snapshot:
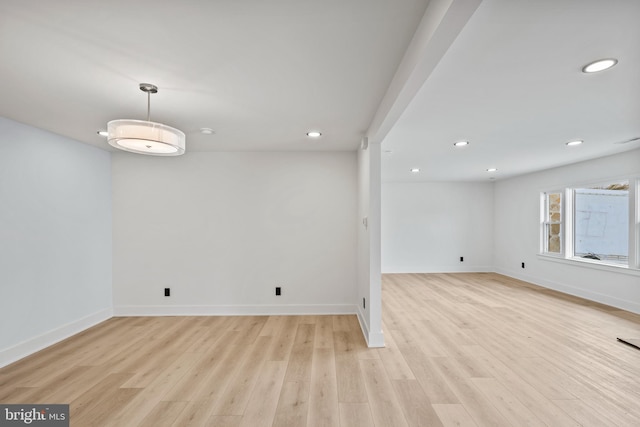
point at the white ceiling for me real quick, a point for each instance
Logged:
(504, 74)
(261, 73)
(511, 84)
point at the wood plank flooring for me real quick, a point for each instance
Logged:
(468, 349)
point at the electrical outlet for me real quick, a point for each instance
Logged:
(278, 291)
(523, 265)
(364, 302)
(461, 259)
(167, 292)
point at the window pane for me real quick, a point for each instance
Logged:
(602, 223)
(553, 230)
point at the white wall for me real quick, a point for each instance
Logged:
(369, 277)
(55, 238)
(517, 233)
(222, 230)
(428, 226)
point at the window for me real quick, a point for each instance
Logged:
(601, 223)
(552, 223)
(593, 223)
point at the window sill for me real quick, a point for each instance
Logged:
(587, 263)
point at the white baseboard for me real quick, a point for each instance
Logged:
(32, 345)
(374, 340)
(578, 292)
(232, 310)
(441, 269)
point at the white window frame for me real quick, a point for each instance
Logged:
(567, 228)
(634, 223)
(546, 222)
(600, 184)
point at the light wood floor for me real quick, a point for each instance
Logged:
(462, 350)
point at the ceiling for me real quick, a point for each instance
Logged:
(414, 75)
(261, 73)
(511, 84)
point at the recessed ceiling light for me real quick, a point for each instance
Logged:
(492, 170)
(599, 65)
(314, 134)
(103, 133)
(207, 131)
(461, 143)
(574, 143)
(415, 170)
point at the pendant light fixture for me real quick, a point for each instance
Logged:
(146, 137)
